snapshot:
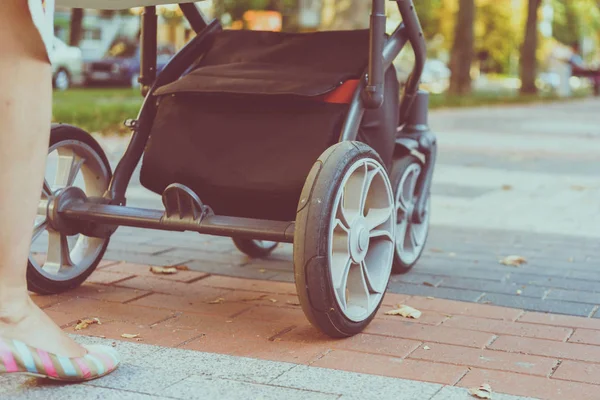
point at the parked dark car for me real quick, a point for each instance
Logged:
(121, 64)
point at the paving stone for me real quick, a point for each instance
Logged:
(228, 258)
(444, 293)
(201, 388)
(355, 384)
(554, 282)
(418, 278)
(494, 287)
(284, 277)
(134, 378)
(531, 304)
(459, 190)
(457, 393)
(160, 260)
(572, 295)
(75, 392)
(230, 270)
(478, 273)
(185, 363)
(117, 245)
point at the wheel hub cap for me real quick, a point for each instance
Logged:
(359, 240)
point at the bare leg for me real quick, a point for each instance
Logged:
(25, 115)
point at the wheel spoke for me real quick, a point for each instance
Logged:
(407, 188)
(358, 289)
(352, 195)
(381, 234)
(367, 181)
(378, 216)
(415, 241)
(58, 252)
(371, 284)
(84, 247)
(341, 214)
(69, 165)
(46, 190)
(39, 229)
(340, 271)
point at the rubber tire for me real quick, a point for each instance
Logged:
(311, 270)
(398, 168)
(251, 249)
(37, 282)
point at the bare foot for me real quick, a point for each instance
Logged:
(29, 324)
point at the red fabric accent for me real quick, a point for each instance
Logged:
(343, 94)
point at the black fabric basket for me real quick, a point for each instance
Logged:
(245, 126)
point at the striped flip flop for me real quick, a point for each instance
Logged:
(18, 358)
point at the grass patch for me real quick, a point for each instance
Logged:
(97, 110)
(104, 110)
(479, 99)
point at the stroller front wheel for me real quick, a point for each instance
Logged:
(59, 260)
(255, 248)
(344, 239)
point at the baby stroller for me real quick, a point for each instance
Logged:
(264, 137)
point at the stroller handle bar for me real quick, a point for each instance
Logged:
(382, 54)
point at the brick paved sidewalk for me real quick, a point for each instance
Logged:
(453, 343)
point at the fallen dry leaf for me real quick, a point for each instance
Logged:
(84, 323)
(217, 301)
(182, 268)
(163, 270)
(451, 254)
(129, 336)
(273, 300)
(513, 261)
(578, 188)
(571, 259)
(262, 296)
(482, 392)
(519, 292)
(506, 187)
(426, 348)
(434, 250)
(293, 303)
(262, 270)
(405, 311)
(428, 284)
(430, 297)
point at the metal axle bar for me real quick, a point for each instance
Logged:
(276, 231)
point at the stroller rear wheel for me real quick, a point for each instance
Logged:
(344, 239)
(58, 260)
(255, 248)
(410, 236)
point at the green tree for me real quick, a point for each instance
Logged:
(76, 27)
(529, 49)
(494, 34)
(430, 16)
(461, 57)
(345, 14)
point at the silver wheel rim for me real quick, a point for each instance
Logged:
(62, 80)
(361, 239)
(66, 257)
(264, 244)
(410, 237)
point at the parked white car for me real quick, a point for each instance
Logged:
(435, 78)
(67, 65)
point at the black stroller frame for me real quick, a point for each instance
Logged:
(71, 211)
(415, 134)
